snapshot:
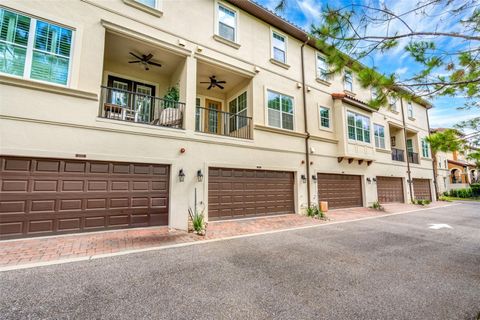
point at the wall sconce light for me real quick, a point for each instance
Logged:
(369, 180)
(314, 178)
(181, 175)
(408, 181)
(374, 179)
(199, 176)
(304, 178)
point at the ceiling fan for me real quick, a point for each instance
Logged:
(214, 83)
(145, 60)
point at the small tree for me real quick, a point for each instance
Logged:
(443, 141)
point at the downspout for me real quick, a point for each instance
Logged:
(307, 149)
(434, 160)
(406, 151)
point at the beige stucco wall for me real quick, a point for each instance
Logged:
(53, 121)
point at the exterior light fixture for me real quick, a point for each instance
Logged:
(181, 175)
(369, 180)
(374, 179)
(314, 178)
(199, 176)
(304, 178)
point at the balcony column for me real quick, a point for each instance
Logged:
(189, 92)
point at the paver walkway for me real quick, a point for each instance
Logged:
(33, 250)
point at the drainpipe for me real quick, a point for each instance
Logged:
(307, 149)
(406, 151)
(434, 161)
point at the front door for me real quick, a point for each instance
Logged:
(143, 102)
(212, 120)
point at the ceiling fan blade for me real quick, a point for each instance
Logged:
(221, 87)
(205, 82)
(134, 61)
(148, 57)
(221, 81)
(133, 54)
(154, 63)
(210, 87)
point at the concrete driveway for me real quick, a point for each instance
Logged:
(394, 267)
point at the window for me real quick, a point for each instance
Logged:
(324, 117)
(322, 68)
(238, 112)
(44, 56)
(148, 3)
(379, 132)
(358, 127)
(410, 145)
(373, 93)
(348, 81)
(392, 101)
(410, 110)
(279, 47)
(425, 152)
(280, 110)
(198, 113)
(227, 23)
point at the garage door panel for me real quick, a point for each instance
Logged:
(245, 192)
(48, 196)
(339, 190)
(390, 189)
(421, 189)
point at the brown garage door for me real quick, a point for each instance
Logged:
(48, 196)
(421, 189)
(340, 190)
(390, 189)
(234, 193)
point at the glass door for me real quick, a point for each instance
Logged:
(143, 103)
(212, 120)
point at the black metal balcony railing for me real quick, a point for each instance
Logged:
(140, 108)
(397, 155)
(223, 123)
(413, 157)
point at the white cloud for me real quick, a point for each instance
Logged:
(401, 71)
(311, 10)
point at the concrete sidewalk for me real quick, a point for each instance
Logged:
(77, 246)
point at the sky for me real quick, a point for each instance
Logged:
(444, 113)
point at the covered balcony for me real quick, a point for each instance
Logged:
(223, 103)
(142, 83)
(397, 142)
(412, 147)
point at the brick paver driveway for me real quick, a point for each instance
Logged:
(47, 249)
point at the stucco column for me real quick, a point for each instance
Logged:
(189, 81)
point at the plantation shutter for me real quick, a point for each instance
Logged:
(14, 30)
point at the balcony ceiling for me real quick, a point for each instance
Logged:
(205, 70)
(117, 50)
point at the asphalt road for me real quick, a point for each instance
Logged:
(386, 268)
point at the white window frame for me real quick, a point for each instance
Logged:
(425, 149)
(318, 74)
(355, 126)
(373, 94)
(146, 5)
(281, 112)
(350, 73)
(380, 145)
(320, 118)
(410, 113)
(235, 98)
(392, 102)
(30, 48)
(284, 36)
(219, 4)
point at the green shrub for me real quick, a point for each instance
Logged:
(198, 220)
(315, 212)
(377, 206)
(444, 198)
(475, 189)
(311, 211)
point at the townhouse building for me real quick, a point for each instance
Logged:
(455, 170)
(119, 113)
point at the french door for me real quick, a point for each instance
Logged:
(136, 99)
